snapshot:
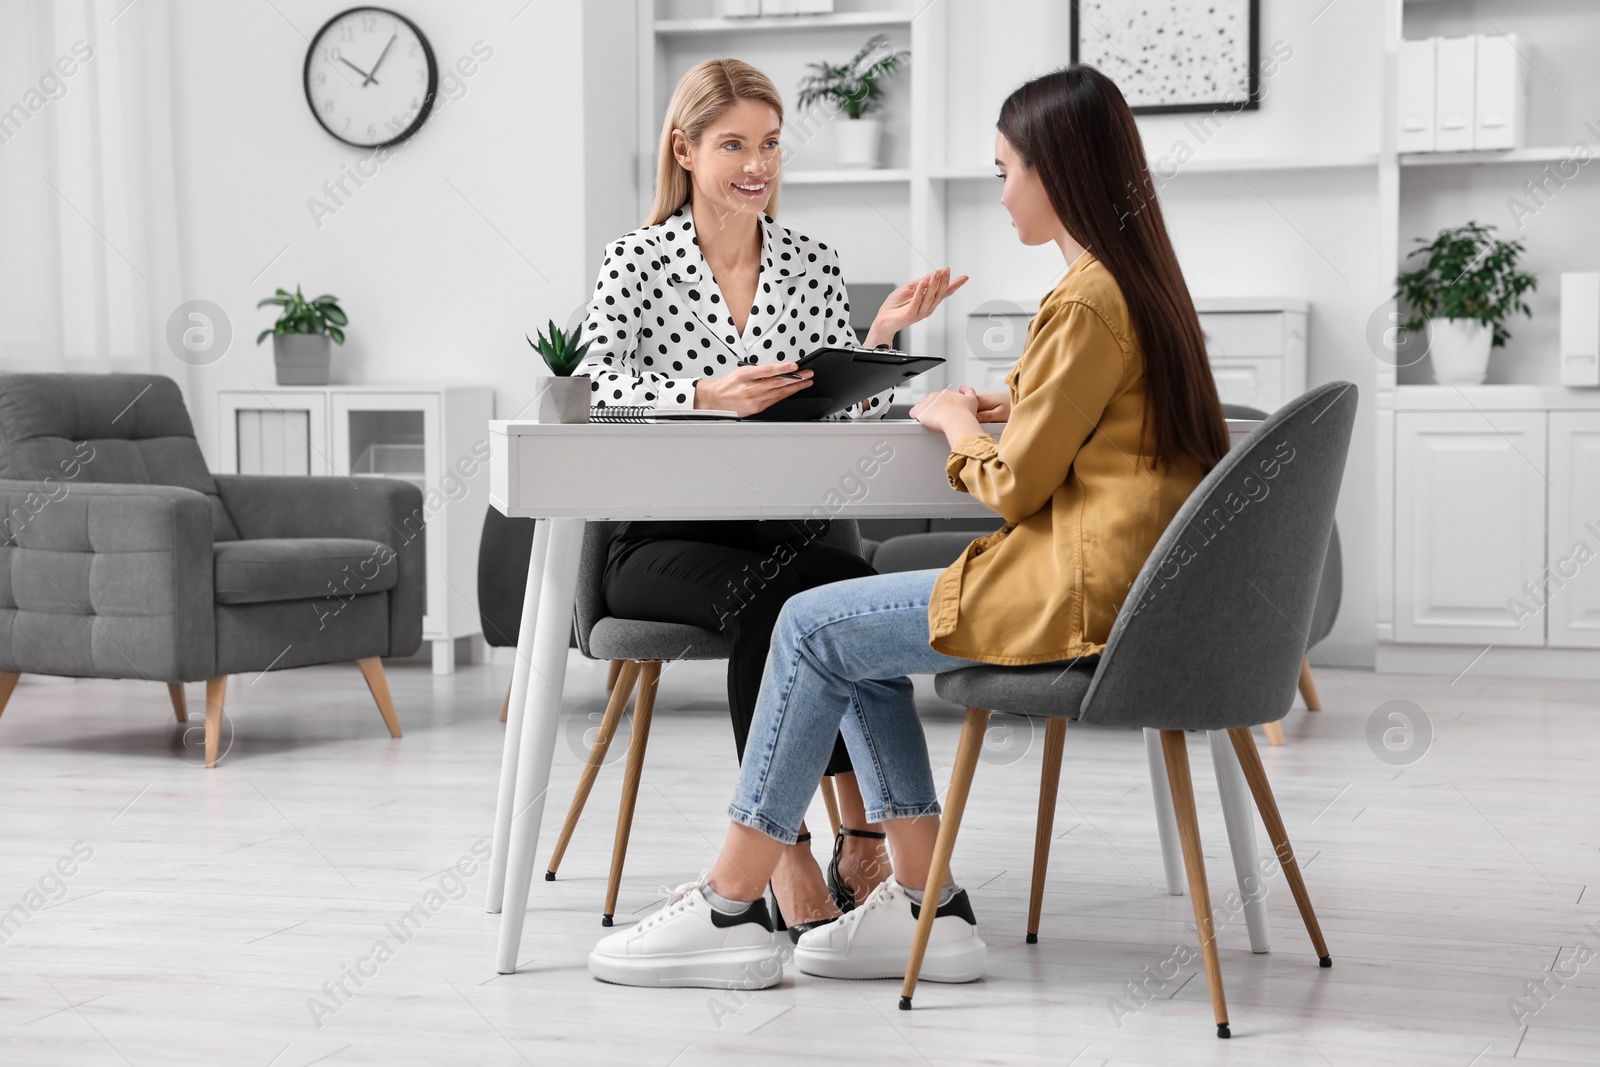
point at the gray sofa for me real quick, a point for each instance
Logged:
(124, 557)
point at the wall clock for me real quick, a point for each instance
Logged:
(370, 77)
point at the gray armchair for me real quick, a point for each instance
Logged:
(124, 557)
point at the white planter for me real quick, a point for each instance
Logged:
(856, 143)
(561, 400)
(1459, 349)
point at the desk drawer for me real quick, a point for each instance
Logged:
(1243, 334)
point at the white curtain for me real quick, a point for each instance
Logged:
(89, 262)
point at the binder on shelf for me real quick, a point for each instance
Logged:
(1580, 328)
(1415, 92)
(1498, 122)
(1455, 68)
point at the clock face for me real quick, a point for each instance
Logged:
(370, 77)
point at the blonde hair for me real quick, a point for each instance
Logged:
(704, 92)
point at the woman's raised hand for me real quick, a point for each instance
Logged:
(749, 389)
(913, 302)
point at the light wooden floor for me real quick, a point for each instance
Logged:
(215, 905)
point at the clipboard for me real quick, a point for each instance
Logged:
(844, 376)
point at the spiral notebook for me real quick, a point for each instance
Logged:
(645, 413)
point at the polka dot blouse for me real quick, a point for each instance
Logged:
(657, 322)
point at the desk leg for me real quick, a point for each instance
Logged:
(514, 718)
(538, 741)
(1239, 815)
(1166, 815)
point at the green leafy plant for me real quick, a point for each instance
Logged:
(1468, 273)
(854, 86)
(299, 315)
(560, 349)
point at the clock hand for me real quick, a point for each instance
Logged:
(357, 69)
(385, 52)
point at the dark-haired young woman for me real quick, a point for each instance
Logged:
(1113, 419)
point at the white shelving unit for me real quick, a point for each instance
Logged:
(433, 437)
(1481, 487)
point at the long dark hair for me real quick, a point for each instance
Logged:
(1074, 128)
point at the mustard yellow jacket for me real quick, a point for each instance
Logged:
(1072, 477)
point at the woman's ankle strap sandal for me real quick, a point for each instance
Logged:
(843, 895)
(777, 916)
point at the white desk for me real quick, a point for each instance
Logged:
(565, 474)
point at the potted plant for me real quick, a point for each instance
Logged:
(564, 397)
(300, 351)
(856, 88)
(1466, 289)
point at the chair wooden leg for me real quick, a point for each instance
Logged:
(1274, 732)
(1261, 789)
(505, 705)
(1308, 687)
(8, 682)
(216, 692)
(591, 767)
(830, 799)
(1176, 752)
(179, 706)
(643, 705)
(372, 671)
(1055, 741)
(612, 674)
(955, 803)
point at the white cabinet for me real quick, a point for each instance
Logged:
(1469, 526)
(1257, 348)
(434, 437)
(1571, 586)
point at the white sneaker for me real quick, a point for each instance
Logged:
(690, 943)
(874, 940)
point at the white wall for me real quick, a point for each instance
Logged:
(470, 234)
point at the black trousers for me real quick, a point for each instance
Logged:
(729, 588)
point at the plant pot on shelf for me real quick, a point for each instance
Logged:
(561, 400)
(857, 143)
(301, 358)
(1459, 349)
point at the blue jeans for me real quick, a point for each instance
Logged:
(839, 662)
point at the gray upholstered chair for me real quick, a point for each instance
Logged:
(126, 558)
(641, 648)
(919, 550)
(1210, 638)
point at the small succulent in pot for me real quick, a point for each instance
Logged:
(560, 349)
(565, 397)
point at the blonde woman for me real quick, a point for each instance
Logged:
(709, 305)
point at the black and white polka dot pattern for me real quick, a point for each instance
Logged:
(657, 322)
